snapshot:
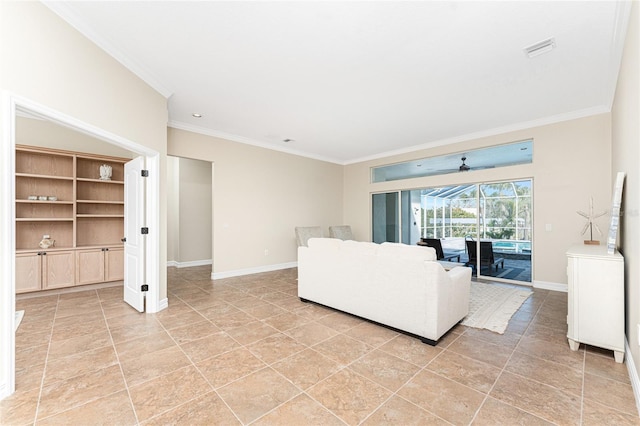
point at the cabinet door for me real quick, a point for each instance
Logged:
(58, 269)
(89, 266)
(28, 272)
(600, 315)
(114, 264)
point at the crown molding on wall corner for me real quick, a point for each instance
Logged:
(248, 141)
(67, 13)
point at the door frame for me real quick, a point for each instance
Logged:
(10, 104)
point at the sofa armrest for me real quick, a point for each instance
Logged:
(460, 275)
(454, 293)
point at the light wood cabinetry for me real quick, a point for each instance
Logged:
(28, 272)
(596, 299)
(99, 265)
(114, 264)
(61, 194)
(44, 270)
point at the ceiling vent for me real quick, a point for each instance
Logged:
(541, 47)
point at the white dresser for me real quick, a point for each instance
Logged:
(596, 298)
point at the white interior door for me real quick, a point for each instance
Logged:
(134, 244)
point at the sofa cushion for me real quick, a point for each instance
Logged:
(324, 243)
(408, 252)
(359, 247)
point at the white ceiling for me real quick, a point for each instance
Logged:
(349, 81)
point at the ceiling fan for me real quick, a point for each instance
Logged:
(464, 167)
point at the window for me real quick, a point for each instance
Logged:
(485, 158)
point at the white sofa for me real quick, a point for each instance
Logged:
(396, 285)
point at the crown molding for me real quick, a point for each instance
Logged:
(489, 132)
(69, 15)
(449, 141)
(248, 141)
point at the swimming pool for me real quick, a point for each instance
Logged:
(512, 246)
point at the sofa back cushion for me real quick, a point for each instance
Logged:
(324, 243)
(408, 252)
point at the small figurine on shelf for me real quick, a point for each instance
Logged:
(46, 242)
(105, 172)
(591, 217)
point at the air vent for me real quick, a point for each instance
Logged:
(541, 47)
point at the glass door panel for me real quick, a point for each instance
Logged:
(386, 217)
(505, 232)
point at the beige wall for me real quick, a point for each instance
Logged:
(46, 61)
(571, 162)
(626, 157)
(259, 196)
(47, 134)
(173, 209)
(189, 211)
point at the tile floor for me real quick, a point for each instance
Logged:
(247, 351)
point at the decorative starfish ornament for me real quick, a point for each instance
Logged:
(590, 220)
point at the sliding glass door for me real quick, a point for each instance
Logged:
(487, 226)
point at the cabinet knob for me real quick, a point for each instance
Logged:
(124, 240)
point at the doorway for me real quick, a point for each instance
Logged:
(13, 106)
(189, 212)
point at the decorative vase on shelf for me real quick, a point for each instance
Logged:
(46, 242)
(105, 172)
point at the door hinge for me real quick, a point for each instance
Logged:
(144, 173)
(144, 287)
(144, 230)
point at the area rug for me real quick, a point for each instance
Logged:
(19, 316)
(491, 306)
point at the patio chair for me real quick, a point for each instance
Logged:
(487, 257)
(303, 233)
(342, 232)
(437, 245)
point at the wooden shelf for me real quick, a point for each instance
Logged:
(49, 250)
(44, 202)
(99, 202)
(117, 182)
(80, 216)
(38, 176)
(44, 219)
(90, 247)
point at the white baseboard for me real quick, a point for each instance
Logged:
(633, 374)
(547, 285)
(163, 304)
(190, 263)
(249, 271)
(4, 391)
